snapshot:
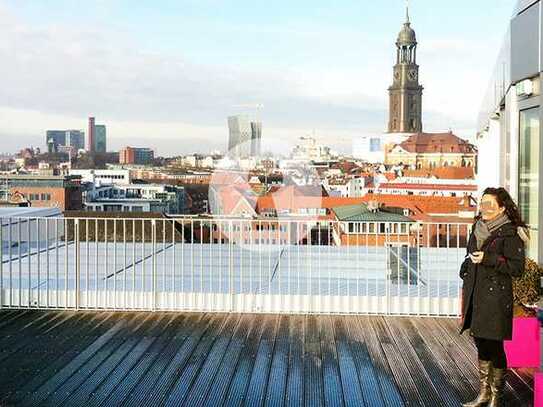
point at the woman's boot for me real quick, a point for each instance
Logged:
(497, 385)
(485, 373)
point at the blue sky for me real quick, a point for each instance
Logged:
(164, 70)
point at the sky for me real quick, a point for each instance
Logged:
(166, 74)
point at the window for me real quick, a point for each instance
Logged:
(529, 173)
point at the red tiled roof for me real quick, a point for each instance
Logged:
(454, 172)
(433, 187)
(420, 204)
(390, 176)
(436, 143)
(228, 178)
(231, 195)
(443, 173)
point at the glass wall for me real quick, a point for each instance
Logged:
(529, 172)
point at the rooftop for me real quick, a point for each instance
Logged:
(424, 143)
(361, 213)
(159, 358)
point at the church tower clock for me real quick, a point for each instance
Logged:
(405, 94)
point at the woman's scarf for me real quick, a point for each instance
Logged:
(483, 229)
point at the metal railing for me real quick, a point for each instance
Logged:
(231, 265)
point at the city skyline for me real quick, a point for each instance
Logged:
(180, 83)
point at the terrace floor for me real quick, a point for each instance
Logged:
(52, 358)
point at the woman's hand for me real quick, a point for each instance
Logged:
(476, 257)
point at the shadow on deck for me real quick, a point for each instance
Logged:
(151, 359)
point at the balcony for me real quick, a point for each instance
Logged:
(54, 358)
(232, 311)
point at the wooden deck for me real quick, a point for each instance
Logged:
(153, 359)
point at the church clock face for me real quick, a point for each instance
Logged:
(412, 74)
(397, 75)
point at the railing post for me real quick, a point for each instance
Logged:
(77, 264)
(1, 263)
(153, 237)
(230, 266)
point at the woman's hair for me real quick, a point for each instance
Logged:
(505, 201)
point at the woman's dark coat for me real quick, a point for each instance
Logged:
(487, 287)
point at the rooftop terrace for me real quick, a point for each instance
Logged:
(53, 358)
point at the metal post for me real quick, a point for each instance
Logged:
(1, 263)
(230, 267)
(153, 234)
(77, 263)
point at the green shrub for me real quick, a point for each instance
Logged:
(527, 288)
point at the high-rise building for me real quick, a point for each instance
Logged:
(405, 94)
(134, 155)
(75, 139)
(256, 138)
(61, 140)
(54, 139)
(244, 136)
(97, 140)
(90, 138)
(100, 144)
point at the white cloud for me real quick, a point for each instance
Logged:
(59, 75)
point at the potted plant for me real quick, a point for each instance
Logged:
(523, 350)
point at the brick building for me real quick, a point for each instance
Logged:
(63, 192)
(432, 150)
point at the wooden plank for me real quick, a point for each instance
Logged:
(195, 373)
(61, 387)
(465, 343)
(33, 351)
(177, 329)
(256, 391)
(450, 366)
(277, 381)
(17, 345)
(105, 369)
(219, 388)
(246, 360)
(202, 385)
(180, 347)
(352, 349)
(20, 320)
(333, 390)
(118, 375)
(98, 325)
(422, 362)
(313, 385)
(400, 372)
(295, 379)
(389, 390)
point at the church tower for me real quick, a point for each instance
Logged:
(405, 94)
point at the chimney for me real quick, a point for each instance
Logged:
(373, 206)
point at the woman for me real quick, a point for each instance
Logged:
(495, 254)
